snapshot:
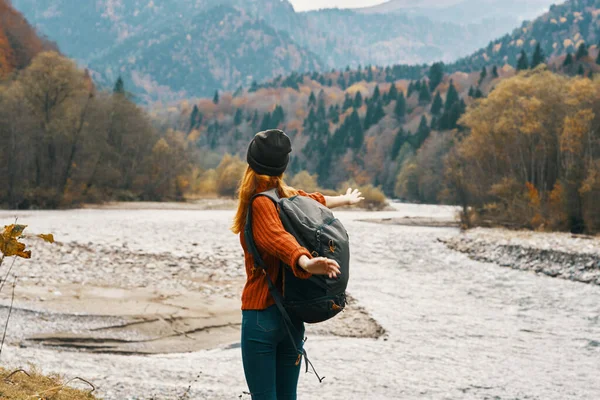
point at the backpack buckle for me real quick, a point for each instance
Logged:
(314, 254)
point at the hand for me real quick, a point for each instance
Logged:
(320, 266)
(353, 196)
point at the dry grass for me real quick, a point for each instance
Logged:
(28, 385)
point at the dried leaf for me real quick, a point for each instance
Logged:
(9, 245)
(13, 231)
(47, 237)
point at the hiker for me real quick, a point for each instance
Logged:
(269, 357)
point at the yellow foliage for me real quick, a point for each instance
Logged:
(229, 173)
(9, 242)
(305, 181)
(47, 237)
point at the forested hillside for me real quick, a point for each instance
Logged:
(19, 42)
(176, 49)
(361, 125)
(560, 31)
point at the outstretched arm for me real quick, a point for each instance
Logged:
(352, 197)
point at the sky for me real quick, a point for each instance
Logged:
(303, 5)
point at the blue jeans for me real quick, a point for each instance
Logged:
(268, 355)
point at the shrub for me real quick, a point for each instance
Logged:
(374, 198)
(27, 385)
(229, 173)
(305, 181)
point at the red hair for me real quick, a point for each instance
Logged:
(251, 184)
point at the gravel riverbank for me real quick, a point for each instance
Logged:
(560, 255)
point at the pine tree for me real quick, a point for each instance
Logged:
(253, 87)
(582, 52)
(358, 100)
(356, 131)
(495, 72)
(451, 97)
(239, 115)
(411, 89)
(347, 102)
(216, 97)
(598, 57)
(277, 117)
(471, 92)
(568, 60)
(478, 94)
(376, 94)
(392, 94)
(400, 109)
(312, 100)
(341, 81)
(195, 118)
(266, 122)
(436, 75)
(581, 70)
(311, 120)
(399, 141)
(119, 87)
(379, 113)
(418, 86)
(482, 75)
(424, 94)
(422, 134)
(538, 56)
(436, 107)
(523, 62)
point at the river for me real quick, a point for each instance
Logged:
(455, 328)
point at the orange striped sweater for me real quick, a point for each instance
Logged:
(274, 243)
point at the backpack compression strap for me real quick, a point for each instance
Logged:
(260, 264)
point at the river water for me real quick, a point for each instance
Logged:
(455, 328)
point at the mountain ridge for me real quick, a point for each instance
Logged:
(106, 35)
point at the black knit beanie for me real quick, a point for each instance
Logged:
(269, 152)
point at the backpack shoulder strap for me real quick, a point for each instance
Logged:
(248, 234)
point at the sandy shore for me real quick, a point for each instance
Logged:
(145, 302)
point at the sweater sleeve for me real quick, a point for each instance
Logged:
(315, 196)
(271, 237)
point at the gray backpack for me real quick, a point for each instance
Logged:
(317, 298)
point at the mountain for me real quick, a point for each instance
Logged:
(385, 39)
(465, 11)
(221, 48)
(172, 49)
(559, 31)
(19, 42)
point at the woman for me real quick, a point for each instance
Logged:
(268, 355)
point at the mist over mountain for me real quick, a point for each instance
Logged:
(465, 11)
